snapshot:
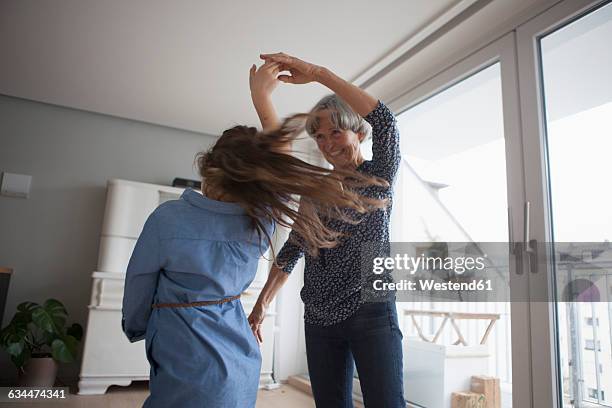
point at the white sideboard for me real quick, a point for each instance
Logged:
(108, 357)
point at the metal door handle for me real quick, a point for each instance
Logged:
(515, 248)
(531, 245)
(531, 248)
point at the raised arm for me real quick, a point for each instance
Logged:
(304, 72)
(358, 99)
(262, 82)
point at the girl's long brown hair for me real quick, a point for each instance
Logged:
(247, 167)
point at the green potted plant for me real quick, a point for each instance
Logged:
(37, 339)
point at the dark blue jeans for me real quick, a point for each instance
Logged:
(371, 337)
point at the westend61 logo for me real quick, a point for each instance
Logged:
(412, 264)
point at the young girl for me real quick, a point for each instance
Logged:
(196, 255)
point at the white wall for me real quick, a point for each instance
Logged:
(51, 238)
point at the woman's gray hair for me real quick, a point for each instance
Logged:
(340, 114)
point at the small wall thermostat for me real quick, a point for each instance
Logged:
(15, 185)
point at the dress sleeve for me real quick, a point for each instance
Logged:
(385, 142)
(141, 282)
(290, 253)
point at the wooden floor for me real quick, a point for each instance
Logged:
(134, 396)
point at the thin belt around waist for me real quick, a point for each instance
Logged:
(192, 304)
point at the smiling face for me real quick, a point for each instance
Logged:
(340, 147)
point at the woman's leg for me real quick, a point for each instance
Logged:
(330, 366)
(376, 344)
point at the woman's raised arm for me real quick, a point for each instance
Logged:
(302, 72)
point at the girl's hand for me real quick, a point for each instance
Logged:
(263, 81)
(302, 72)
(256, 319)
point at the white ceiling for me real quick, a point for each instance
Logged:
(185, 63)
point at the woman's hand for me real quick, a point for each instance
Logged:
(262, 80)
(302, 72)
(256, 319)
(276, 279)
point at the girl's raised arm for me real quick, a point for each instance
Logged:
(262, 82)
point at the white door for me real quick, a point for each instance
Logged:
(462, 180)
(565, 66)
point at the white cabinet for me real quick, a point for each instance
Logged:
(108, 357)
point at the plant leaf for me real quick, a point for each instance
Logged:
(51, 317)
(16, 348)
(64, 349)
(41, 318)
(26, 307)
(13, 333)
(23, 318)
(57, 311)
(20, 360)
(47, 338)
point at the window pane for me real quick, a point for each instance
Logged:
(452, 188)
(454, 172)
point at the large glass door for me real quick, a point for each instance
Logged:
(461, 181)
(565, 57)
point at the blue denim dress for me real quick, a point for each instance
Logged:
(195, 249)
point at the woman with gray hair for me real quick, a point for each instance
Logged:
(344, 322)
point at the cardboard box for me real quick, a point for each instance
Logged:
(489, 387)
(468, 399)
